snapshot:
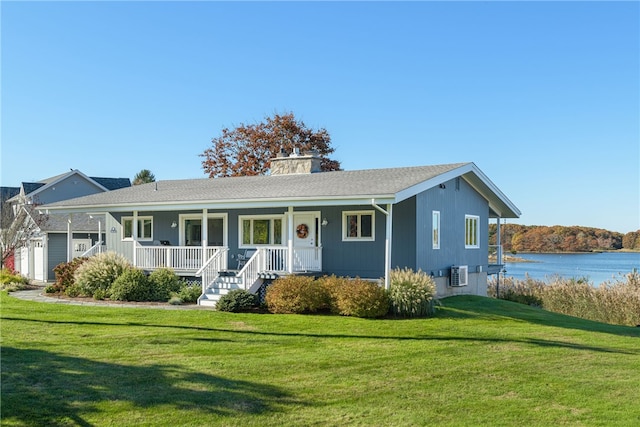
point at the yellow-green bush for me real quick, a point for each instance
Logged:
(296, 295)
(355, 297)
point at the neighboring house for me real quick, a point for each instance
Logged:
(299, 220)
(53, 243)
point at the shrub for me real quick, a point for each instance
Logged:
(296, 294)
(237, 300)
(356, 297)
(131, 285)
(189, 293)
(99, 272)
(65, 274)
(412, 294)
(163, 283)
(12, 281)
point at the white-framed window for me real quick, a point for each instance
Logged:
(190, 231)
(435, 227)
(145, 227)
(358, 226)
(471, 231)
(260, 230)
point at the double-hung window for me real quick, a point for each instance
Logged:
(145, 228)
(260, 230)
(471, 231)
(358, 226)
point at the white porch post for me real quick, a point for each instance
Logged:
(498, 244)
(134, 232)
(290, 239)
(204, 234)
(69, 240)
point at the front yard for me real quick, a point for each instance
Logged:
(478, 362)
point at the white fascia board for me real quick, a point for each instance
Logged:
(225, 204)
(65, 176)
(433, 182)
(498, 196)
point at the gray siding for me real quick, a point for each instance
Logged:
(404, 235)
(454, 201)
(68, 188)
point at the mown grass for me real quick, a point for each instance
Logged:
(480, 361)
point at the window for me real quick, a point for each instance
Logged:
(471, 231)
(435, 226)
(191, 230)
(145, 228)
(358, 225)
(260, 230)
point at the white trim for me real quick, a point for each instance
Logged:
(183, 217)
(359, 213)
(476, 237)
(134, 228)
(271, 217)
(435, 230)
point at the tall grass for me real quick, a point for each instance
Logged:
(616, 301)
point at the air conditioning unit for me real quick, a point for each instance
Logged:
(459, 275)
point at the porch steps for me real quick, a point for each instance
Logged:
(221, 286)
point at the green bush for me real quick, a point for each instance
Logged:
(163, 283)
(99, 272)
(355, 297)
(189, 293)
(12, 281)
(131, 285)
(296, 294)
(237, 300)
(65, 272)
(412, 294)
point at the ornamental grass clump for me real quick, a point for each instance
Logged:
(296, 295)
(411, 293)
(99, 272)
(528, 291)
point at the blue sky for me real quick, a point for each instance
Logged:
(543, 96)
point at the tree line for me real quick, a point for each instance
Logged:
(557, 238)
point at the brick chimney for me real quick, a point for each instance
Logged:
(296, 163)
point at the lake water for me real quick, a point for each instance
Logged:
(597, 267)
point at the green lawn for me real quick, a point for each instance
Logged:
(478, 362)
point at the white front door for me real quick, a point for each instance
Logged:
(38, 260)
(307, 249)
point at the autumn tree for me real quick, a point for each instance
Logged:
(17, 228)
(143, 177)
(248, 149)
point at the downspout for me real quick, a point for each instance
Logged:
(387, 244)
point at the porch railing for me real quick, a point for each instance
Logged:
(96, 249)
(275, 259)
(212, 268)
(183, 258)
